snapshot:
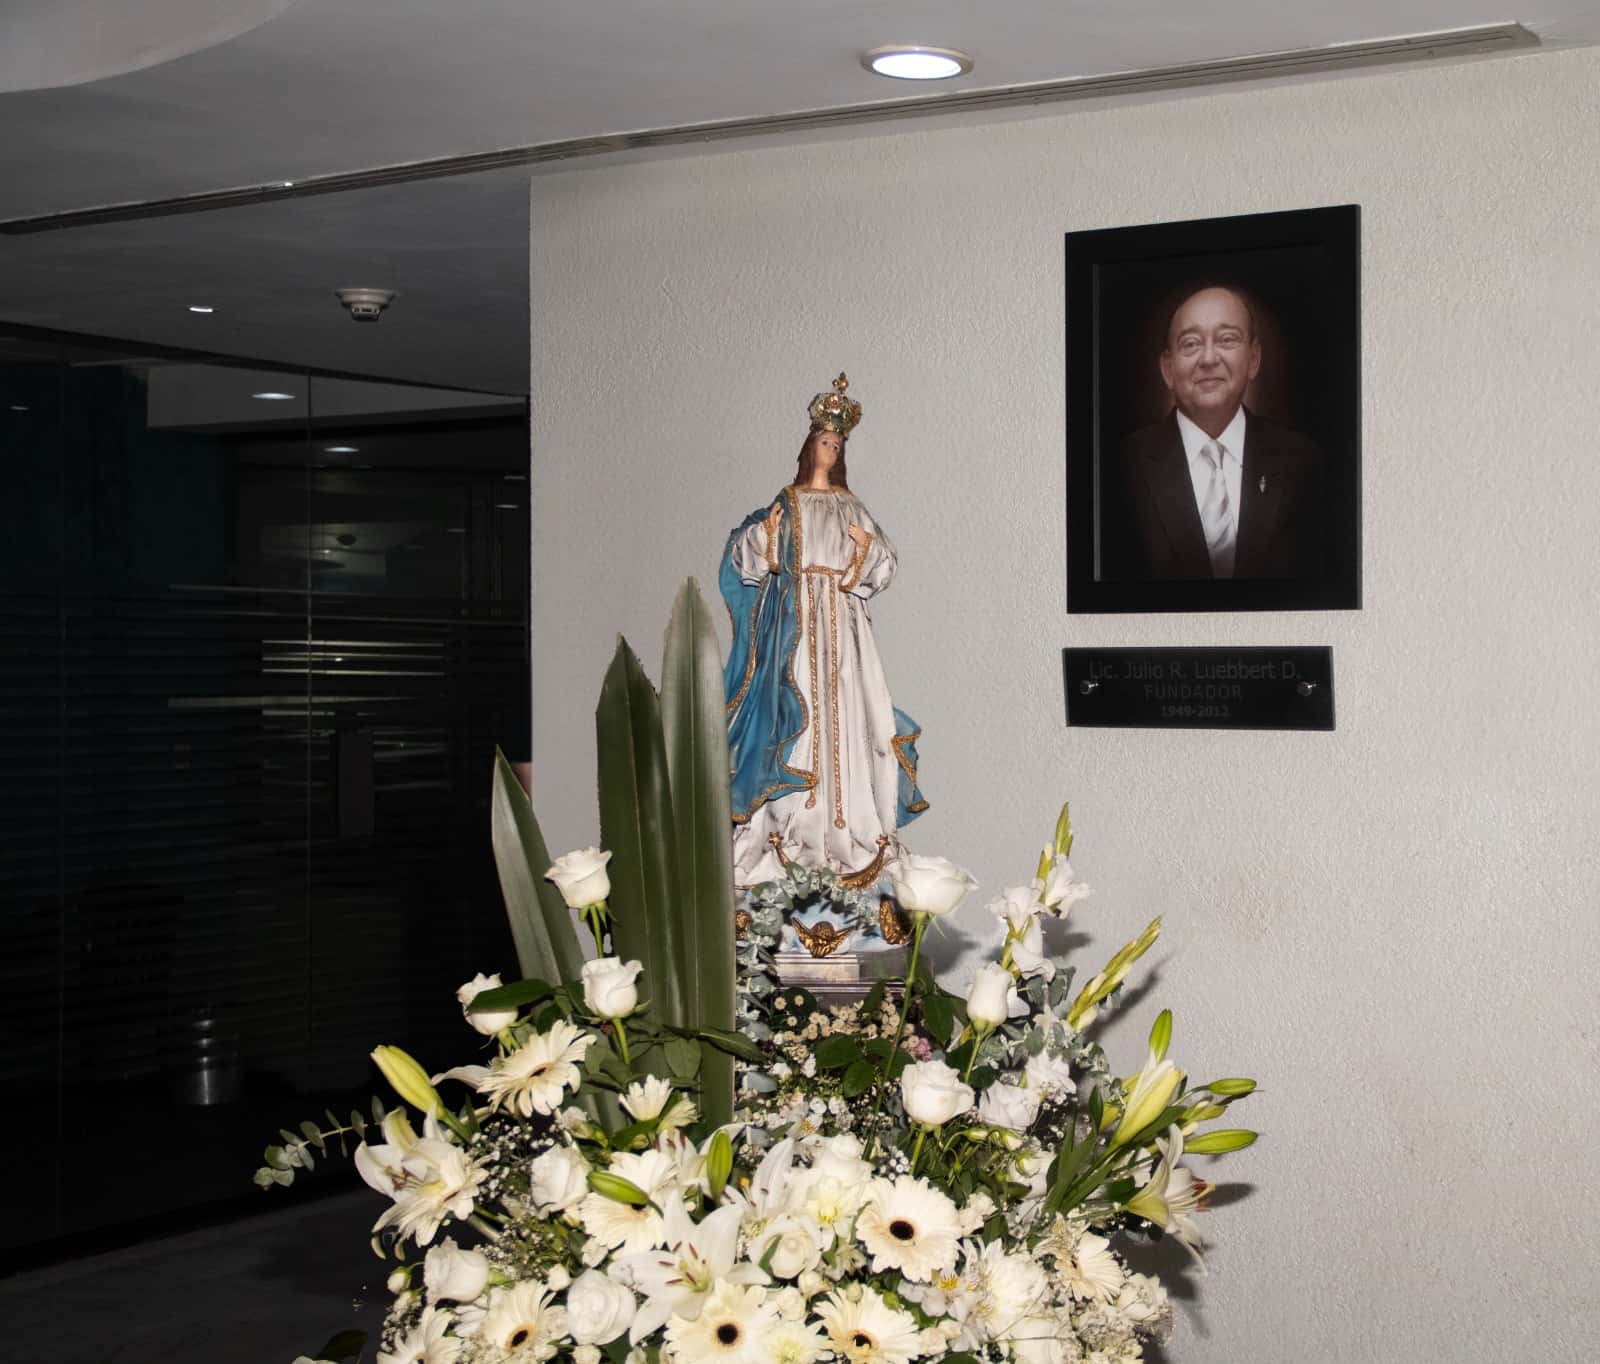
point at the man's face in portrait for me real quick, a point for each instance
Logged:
(1212, 354)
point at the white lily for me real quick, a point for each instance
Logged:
(677, 1280)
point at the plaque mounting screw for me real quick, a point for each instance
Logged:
(1086, 686)
(1305, 688)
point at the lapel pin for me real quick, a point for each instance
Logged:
(1262, 486)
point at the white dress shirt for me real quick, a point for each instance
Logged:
(1232, 443)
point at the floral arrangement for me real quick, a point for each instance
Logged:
(652, 1165)
(939, 1177)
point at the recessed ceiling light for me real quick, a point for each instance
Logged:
(274, 397)
(917, 63)
(339, 449)
(200, 308)
(19, 407)
(456, 530)
(508, 506)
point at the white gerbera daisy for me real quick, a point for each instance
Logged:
(535, 1077)
(426, 1342)
(794, 1342)
(869, 1331)
(521, 1323)
(730, 1328)
(910, 1226)
(1092, 1271)
(620, 1226)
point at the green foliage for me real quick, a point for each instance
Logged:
(694, 729)
(637, 827)
(345, 1345)
(281, 1161)
(541, 924)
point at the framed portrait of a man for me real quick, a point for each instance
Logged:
(1214, 414)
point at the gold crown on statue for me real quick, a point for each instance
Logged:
(835, 412)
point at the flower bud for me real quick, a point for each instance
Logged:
(407, 1078)
(618, 1189)
(989, 1001)
(719, 1162)
(610, 988)
(581, 877)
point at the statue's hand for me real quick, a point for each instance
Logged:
(774, 519)
(860, 536)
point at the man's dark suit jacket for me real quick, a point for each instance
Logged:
(1150, 526)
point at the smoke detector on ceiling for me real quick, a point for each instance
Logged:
(366, 305)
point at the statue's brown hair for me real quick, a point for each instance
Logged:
(808, 459)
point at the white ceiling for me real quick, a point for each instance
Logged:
(331, 86)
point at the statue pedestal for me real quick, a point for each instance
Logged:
(841, 977)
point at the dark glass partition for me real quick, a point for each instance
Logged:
(257, 653)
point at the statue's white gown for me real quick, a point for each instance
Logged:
(848, 747)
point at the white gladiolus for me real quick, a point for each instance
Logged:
(455, 1274)
(929, 885)
(933, 1093)
(993, 993)
(599, 1309)
(486, 1021)
(1017, 907)
(610, 988)
(559, 1180)
(1061, 890)
(581, 877)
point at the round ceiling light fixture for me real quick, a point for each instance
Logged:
(274, 397)
(200, 308)
(339, 449)
(908, 63)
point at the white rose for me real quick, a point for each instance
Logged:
(933, 1093)
(581, 877)
(991, 999)
(1050, 1075)
(793, 1245)
(1017, 907)
(811, 1283)
(929, 885)
(486, 1021)
(609, 988)
(586, 1354)
(598, 1309)
(558, 1180)
(791, 1303)
(839, 1158)
(1038, 1340)
(1009, 1106)
(453, 1273)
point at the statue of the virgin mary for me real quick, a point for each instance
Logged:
(824, 764)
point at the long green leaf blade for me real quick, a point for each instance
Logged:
(541, 924)
(695, 730)
(636, 825)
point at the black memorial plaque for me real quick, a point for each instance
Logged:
(1253, 688)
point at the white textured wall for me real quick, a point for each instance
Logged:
(1393, 926)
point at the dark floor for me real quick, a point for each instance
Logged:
(259, 1291)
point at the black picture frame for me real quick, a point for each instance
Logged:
(1131, 532)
